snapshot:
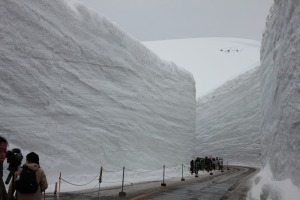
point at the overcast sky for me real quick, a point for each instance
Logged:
(148, 20)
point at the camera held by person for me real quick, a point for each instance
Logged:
(14, 158)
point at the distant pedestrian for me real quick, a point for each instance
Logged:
(197, 165)
(207, 162)
(217, 163)
(32, 163)
(213, 163)
(3, 149)
(221, 164)
(192, 166)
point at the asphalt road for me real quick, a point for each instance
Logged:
(231, 184)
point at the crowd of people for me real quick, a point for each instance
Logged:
(28, 181)
(206, 164)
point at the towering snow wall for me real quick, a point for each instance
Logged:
(280, 83)
(228, 121)
(81, 93)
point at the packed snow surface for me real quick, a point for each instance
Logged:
(228, 121)
(83, 94)
(280, 102)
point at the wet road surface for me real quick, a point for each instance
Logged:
(207, 190)
(205, 187)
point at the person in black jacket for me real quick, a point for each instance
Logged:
(192, 166)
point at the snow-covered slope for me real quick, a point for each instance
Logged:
(83, 94)
(280, 99)
(228, 121)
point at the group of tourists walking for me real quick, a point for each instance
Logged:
(206, 164)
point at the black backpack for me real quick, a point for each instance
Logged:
(27, 182)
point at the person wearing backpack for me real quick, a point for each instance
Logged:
(30, 180)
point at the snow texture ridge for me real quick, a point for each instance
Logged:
(280, 65)
(82, 93)
(280, 94)
(228, 121)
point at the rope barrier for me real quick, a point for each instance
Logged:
(178, 175)
(144, 171)
(128, 182)
(79, 184)
(176, 167)
(112, 171)
(134, 177)
(95, 186)
(112, 182)
(131, 181)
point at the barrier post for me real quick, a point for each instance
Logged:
(227, 165)
(182, 179)
(222, 165)
(122, 193)
(59, 183)
(163, 183)
(211, 173)
(196, 170)
(55, 189)
(100, 180)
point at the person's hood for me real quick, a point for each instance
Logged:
(33, 166)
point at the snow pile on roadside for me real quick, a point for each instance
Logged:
(265, 186)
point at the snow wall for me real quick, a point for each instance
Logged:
(280, 83)
(228, 121)
(82, 94)
(280, 98)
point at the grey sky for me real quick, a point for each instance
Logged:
(148, 20)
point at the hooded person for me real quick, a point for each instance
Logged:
(32, 162)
